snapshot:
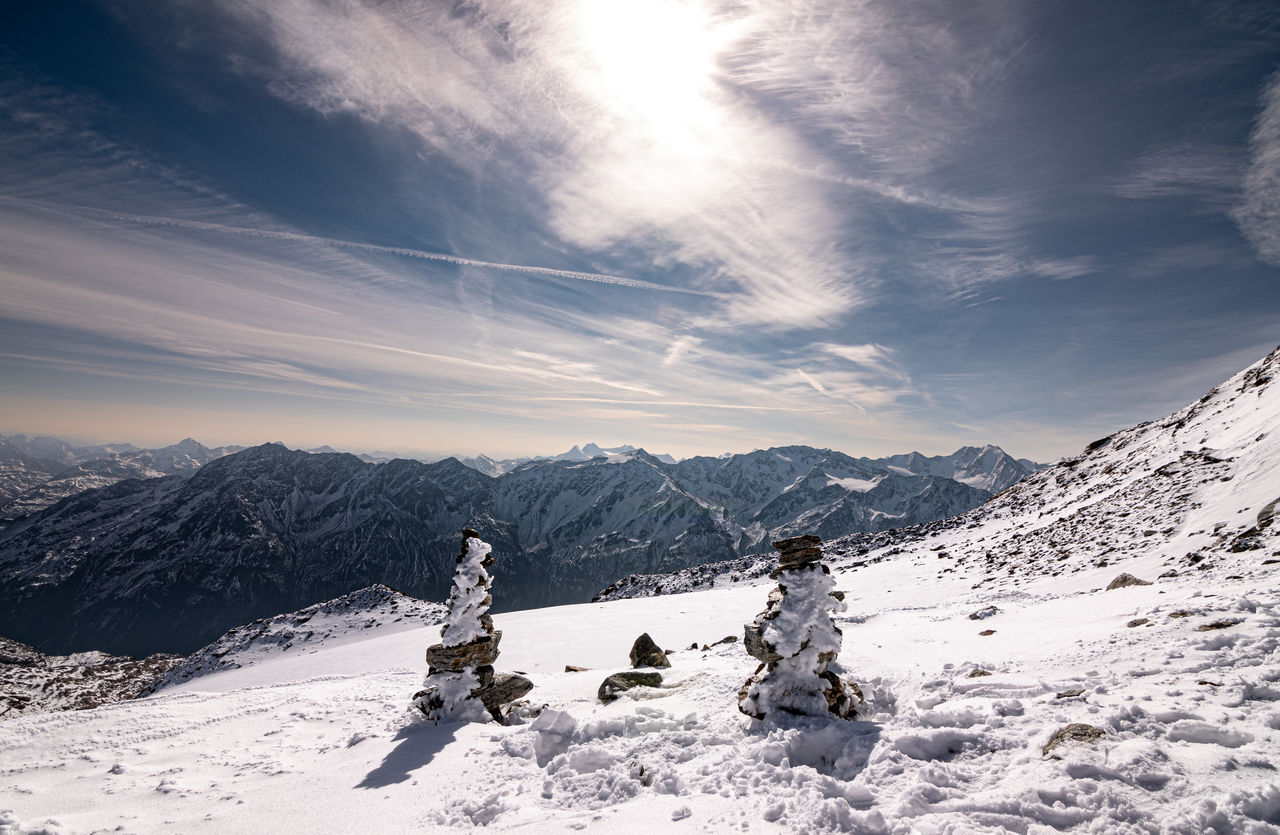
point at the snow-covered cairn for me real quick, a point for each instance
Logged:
(796, 641)
(461, 685)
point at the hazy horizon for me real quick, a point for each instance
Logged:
(435, 455)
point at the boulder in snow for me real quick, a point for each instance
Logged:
(1127, 579)
(1075, 732)
(621, 682)
(646, 653)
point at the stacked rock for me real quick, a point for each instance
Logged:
(461, 684)
(796, 641)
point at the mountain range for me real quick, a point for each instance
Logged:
(1195, 488)
(168, 563)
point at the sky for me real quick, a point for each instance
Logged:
(696, 226)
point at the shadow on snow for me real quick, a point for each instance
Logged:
(418, 745)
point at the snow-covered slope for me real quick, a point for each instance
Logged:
(71, 481)
(21, 471)
(970, 667)
(308, 630)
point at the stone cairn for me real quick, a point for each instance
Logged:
(796, 641)
(461, 684)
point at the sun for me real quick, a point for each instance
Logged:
(655, 61)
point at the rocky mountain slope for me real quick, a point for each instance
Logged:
(269, 529)
(32, 683)
(1196, 491)
(174, 561)
(20, 471)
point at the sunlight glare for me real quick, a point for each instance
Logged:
(657, 63)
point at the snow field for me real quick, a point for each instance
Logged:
(325, 739)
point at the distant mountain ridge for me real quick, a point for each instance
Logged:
(988, 468)
(495, 467)
(171, 562)
(37, 471)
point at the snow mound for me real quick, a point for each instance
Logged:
(340, 620)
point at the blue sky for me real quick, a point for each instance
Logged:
(693, 226)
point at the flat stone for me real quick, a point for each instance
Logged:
(754, 713)
(1137, 622)
(621, 682)
(569, 668)
(475, 654)
(1217, 624)
(797, 543)
(840, 701)
(753, 642)
(805, 555)
(428, 700)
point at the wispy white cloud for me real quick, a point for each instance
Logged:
(1184, 169)
(680, 346)
(874, 358)
(702, 157)
(1258, 214)
(813, 382)
(1064, 268)
(272, 234)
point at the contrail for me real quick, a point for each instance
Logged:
(151, 220)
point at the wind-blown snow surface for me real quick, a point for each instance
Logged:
(1182, 677)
